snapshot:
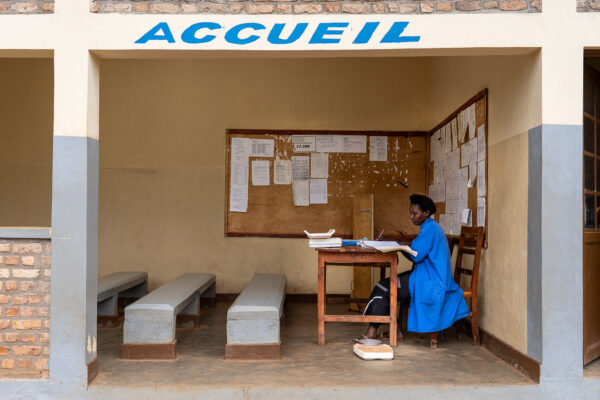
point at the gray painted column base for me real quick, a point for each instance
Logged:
(555, 252)
(73, 303)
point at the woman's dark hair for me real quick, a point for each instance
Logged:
(424, 203)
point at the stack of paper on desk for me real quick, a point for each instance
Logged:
(330, 242)
(388, 246)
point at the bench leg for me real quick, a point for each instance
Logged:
(149, 351)
(190, 315)
(253, 352)
(209, 296)
(108, 317)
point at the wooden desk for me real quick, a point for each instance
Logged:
(349, 256)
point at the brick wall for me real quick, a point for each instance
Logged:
(24, 308)
(26, 7)
(588, 5)
(315, 6)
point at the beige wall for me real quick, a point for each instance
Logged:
(26, 107)
(514, 107)
(162, 154)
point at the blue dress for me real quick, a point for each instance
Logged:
(436, 300)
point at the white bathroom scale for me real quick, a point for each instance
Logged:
(378, 352)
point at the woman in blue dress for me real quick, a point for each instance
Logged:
(436, 301)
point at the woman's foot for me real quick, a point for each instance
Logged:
(371, 332)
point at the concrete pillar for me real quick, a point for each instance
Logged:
(555, 252)
(74, 218)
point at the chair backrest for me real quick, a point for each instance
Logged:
(470, 242)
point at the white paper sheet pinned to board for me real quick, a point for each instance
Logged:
(282, 172)
(472, 174)
(300, 192)
(446, 222)
(481, 189)
(261, 147)
(468, 152)
(261, 173)
(319, 165)
(437, 192)
(447, 138)
(238, 198)
(471, 115)
(466, 218)
(238, 175)
(342, 144)
(304, 143)
(481, 211)
(481, 143)
(318, 191)
(300, 171)
(454, 134)
(378, 148)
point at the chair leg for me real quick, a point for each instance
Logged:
(474, 323)
(433, 340)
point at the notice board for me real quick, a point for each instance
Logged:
(270, 209)
(470, 150)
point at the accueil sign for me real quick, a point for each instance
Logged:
(280, 33)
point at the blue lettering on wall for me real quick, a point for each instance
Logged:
(395, 32)
(152, 34)
(189, 35)
(232, 35)
(275, 34)
(324, 28)
(325, 33)
(366, 32)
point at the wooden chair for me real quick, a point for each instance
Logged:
(470, 242)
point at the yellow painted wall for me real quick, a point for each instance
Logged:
(514, 107)
(26, 107)
(162, 154)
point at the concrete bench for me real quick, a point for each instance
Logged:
(149, 328)
(124, 284)
(253, 320)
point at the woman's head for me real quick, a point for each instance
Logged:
(421, 208)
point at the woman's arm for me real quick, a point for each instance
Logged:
(407, 256)
(422, 244)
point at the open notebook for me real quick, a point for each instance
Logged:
(385, 247)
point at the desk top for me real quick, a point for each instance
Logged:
(347, 249)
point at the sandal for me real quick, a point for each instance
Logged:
(358, 339)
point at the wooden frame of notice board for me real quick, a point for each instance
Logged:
(270, 209)
(480, 102)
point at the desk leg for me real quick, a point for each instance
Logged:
(321, 300)
(393, 299)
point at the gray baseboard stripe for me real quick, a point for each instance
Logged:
(25, 233)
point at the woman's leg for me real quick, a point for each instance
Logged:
(379, 304)
(379, 301)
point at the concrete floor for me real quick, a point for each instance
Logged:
(305, 364)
